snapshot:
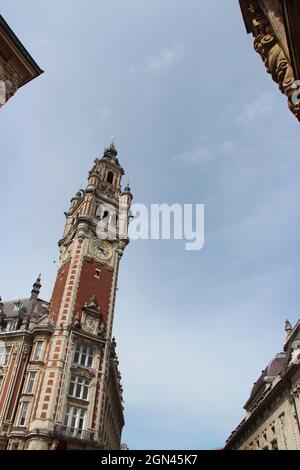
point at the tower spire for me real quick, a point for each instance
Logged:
(36, 288)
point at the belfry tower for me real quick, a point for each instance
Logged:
(76, 399)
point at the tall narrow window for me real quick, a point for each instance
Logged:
(83, 355)
(12, 325)
(37, 356)
(23, 413)
(30, 382)
(79, 387)
(1, 380)
(74, 420)
(110, 177)
(4, 355)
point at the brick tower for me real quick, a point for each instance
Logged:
(76, 399)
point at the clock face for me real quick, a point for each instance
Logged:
(102, 249)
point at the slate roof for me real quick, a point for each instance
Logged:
(11, 308)
(273, 369)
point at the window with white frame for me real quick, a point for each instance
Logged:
(12, 325)
(23, 413)
(30, 383)
(4, 354)
(38, 351)
(74, 419)
(1, 380)
(79, 387)
(83, 355)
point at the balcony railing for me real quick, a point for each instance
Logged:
(74, 433)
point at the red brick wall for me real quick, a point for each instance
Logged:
(58, 290)
(89, 285)
(16, 392)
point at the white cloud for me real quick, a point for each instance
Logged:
(260, 108)
(206, 152)
(200, 154)
(164, 59)
(228, 147)
(43, 42)
(104, 113)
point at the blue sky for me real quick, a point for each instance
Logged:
(196, 120)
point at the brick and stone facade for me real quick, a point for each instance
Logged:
(17, 67)
(60, 386)
(272, 420)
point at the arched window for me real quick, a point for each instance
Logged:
(110, 177)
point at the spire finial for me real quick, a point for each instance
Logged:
(127, 187)
(288, 328)
(36, 287)
(111, 151)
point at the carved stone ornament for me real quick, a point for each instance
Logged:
(90, 323)
(26, 350)
(269, 48)
(92, 304)
(11, 78)
(296, 390)
(77, 321)
(283, 429)
(81, 372)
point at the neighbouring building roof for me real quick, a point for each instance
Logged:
(12, 308)
(4, 26)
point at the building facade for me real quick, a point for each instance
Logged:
(60, 386)
(275, 25)
(272, 419)
(17, 67)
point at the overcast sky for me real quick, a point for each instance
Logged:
(196, 120)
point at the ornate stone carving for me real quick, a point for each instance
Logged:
(272, 53)
(92, 304)
(91, 316)
(11, 77)
(296, 390)
(102, 329)
(82, 372)
(90, 325)
(77, 321)
(283, 430)
(26, 350)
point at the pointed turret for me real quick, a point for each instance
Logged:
(36, 288)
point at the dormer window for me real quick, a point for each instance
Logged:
(12, 325)
(110, 177)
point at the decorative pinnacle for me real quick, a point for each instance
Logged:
(111, 151)
(37, 285)
(288, 328)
